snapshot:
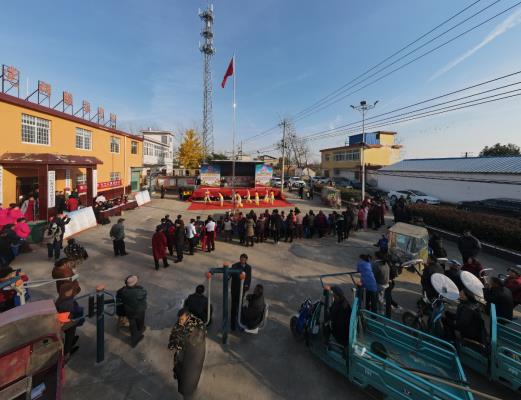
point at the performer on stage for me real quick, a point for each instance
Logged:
(221, 199)
(267, 197)
(248, 196)
(272, 197)
(207, 198)
(257, 200)
(238, 200)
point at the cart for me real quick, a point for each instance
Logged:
(408, 242)
(398, 361)
(31, 353)
(331, 196)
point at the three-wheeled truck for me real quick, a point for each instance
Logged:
(31, 352)
(396, 360)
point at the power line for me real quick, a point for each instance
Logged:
(386, 59)
(333, 97)
(439, 111)
(407, 63)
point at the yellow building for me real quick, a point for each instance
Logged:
(43, 151)
(380, 150)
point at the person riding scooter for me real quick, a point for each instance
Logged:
(431, 268)
(467, 323)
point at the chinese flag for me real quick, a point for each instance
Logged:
(229, 72)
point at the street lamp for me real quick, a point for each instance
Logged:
(363, 108)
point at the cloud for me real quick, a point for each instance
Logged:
(509, 23)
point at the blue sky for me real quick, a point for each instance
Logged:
(141, 60)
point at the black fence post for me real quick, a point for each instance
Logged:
(100, 325)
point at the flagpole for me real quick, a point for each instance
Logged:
(234, 128)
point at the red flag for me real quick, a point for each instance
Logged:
(229, 72)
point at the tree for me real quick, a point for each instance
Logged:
(499, 149)
(297, 151)
(190, 153)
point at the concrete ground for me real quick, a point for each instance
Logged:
(270, 365)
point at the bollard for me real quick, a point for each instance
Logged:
(100, 324)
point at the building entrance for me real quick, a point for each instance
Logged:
(25, 186)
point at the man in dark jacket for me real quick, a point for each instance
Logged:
(339, 315)
(197, 304)
(252, 315)
(436, 246)
(66, 303)
(117, 234)
(242, 266)
(276, 225)
(501, 296)
(468, 246)
(513, 282)
(134, 299)
(467, 323)
(430, 269)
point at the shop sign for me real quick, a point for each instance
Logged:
(110, 184)
(68, 185)
(51, 189)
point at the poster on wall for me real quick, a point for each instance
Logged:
(210, 175)
(263, 174)
(51, 188)
(94, 183)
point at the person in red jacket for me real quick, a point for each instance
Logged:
(72, 204)
(473, 266)
(159, 245)
(513, 282)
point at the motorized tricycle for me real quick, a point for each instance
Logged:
(396, 360)
(31, 352)
(408, 242)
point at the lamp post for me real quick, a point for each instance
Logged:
(363, 108)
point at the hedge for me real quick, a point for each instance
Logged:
(498, 230)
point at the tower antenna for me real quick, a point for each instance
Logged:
(208, 50)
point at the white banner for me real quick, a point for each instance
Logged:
(1, 184)
(51, 189)
(94, 183)
(68, 184)
(81, 219)
(142, 197)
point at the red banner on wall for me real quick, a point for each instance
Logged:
(81, 188)
(110, 184)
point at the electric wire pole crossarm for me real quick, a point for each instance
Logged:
(363, 108)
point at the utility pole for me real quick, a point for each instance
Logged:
(283, 124)
(363, 108)
(208, 51)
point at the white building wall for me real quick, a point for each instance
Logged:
(451, 187)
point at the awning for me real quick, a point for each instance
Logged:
(49, 159)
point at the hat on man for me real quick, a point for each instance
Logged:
(121, 220)
(516, 269)
(131, 280)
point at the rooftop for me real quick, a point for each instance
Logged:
(491, 165)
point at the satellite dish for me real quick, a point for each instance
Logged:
(444, 286)
(472, 284)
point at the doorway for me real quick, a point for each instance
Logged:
(25, 186)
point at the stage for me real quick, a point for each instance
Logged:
(228, 205)
(200, 192)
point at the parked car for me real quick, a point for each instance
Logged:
(341, 182)
(505, 206)
(296, 182)
(316, 179)
(415, 196)
(369, 189)
(276, 182)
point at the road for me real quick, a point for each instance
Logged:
(269, 365)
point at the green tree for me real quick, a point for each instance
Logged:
(499, 149)
(190, 153)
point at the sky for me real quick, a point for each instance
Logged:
(141, 61)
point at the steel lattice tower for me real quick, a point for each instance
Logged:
(208, 51)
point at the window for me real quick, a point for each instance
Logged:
(35, 130)
(114, 144)
(81, 179)
(336, 171)
(164, 139)
(83, 139)
(133, 147)
(115, 176)
(326, 157)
